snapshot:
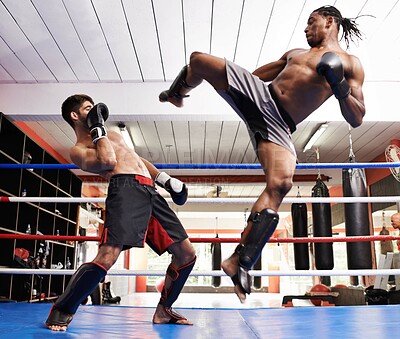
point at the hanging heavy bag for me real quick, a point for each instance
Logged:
(322, 227)
(216, 261)
(359, 255)
(299, 220)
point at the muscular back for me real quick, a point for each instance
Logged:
(86, 155)
(299, 88)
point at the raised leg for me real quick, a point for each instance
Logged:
(202, 66)
(177, 89)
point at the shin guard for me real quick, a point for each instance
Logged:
(264, 225)
(80, 286)
(178, 278)
(174, 90)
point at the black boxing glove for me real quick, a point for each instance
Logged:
(95, 119)
(175, 187)
(331, 67)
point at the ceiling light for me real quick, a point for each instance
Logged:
(126, 135)
(321, 129)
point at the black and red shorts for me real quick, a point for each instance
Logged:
(136, 213)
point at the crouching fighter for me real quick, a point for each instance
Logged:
(271, 101)
(135, 213)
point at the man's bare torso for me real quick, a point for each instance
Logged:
(300, 89)
(128, 161)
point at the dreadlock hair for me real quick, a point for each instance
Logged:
(350, 29)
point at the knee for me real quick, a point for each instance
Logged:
(105, 262)
(285, 186)
(188, 253)
(107, 258)
(281, 186)
(196, 60)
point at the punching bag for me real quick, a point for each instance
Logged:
(386, 245)
(216, 261)
(322, 227)
(359, 255)
(299, 220)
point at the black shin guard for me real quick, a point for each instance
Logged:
(264, 225)
(176, 87)
(178, 278)
(82, 283)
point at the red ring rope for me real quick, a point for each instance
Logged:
(213, 240)
(305, 239)
(48, 237)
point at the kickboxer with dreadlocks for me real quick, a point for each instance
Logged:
(272, 101)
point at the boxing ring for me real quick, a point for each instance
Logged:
(27, 320)
(23, 320)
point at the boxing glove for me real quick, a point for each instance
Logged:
(173, 186)
(330, 66)
(95, 119)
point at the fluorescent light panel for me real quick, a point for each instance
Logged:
(317, 134)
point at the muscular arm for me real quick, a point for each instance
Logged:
(98, 159)
(352, 107)
(271, 70)
(151, 168)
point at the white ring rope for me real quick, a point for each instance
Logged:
(216, 200)
(254, 273)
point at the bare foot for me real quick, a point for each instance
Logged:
(230, 267)
(161, 316)
(56, 327)
(58, 320)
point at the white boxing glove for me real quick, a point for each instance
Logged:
(175, 187)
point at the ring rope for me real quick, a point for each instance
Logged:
(286, 200)
(255, 273)
(221, 166)
(363, 238)
(49, 237)
(299, 240)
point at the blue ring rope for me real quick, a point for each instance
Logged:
(218, 166)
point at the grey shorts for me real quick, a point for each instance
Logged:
(252, 100)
